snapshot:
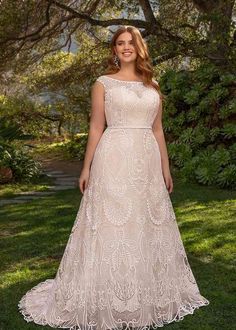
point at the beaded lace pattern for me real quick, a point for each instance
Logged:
(124, 265)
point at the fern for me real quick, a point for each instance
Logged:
(180, 119)
(221, 156)
(232, 151)
(206, 174)
(189, 166)
(175, 95)
(201, 87)
(167, 124)
(206, 72)
(191, 97)
(214, 132)
(224, 112)
(227, 178)
(193, 114)
(204, 105)
(170, 107)
(207, 168)
(229, 131)
(186, 136)
(217, 93)
(179, 153)
(198, 119)
(227, 79)
(232, 106)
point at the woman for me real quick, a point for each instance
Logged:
(124, 264)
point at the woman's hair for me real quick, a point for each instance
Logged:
(143, 64)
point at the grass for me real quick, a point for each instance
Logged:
(40, 184)
(34, 235)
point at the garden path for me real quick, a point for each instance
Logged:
(64, 173)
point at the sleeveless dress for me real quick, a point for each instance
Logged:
(124, 265)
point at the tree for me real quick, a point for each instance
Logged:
(202, 29)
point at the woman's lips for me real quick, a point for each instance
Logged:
(126, 54)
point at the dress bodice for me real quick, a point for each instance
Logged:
(129, 103)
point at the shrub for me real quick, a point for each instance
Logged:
(23, 166)
(16, 157)
(198, 116)
(77, 146)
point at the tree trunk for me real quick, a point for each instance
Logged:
(219, 14)
(59, 127)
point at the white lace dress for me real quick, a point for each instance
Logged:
(124, 264)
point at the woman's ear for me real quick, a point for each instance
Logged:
(114, 48)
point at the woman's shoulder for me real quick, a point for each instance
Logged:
(106, 77)
(155, 81)
(101, 79)
(106, 80)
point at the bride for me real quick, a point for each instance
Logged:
(124, 265)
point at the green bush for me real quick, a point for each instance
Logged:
(76, 147)
(69, 149)
(15, 156)
(198, 119)
(23, 166)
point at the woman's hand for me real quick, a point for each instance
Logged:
(168, 181)
(84, 179)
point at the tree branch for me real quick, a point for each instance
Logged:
(116, 21)
(147, 11)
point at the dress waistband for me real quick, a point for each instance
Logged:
(148, 127)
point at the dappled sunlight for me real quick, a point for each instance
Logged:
(29, 270)
(36, 229)
(208, 229)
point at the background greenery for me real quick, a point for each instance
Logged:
(200, 124)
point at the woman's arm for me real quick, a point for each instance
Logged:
(96, 128)
(159, 135)
(97, 122)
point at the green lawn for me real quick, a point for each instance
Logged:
(40, 184)
(34, 235)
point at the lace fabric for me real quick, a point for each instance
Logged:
(124, 265)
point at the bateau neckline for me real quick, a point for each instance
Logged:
(129, 81)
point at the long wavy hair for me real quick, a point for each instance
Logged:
(143, 63)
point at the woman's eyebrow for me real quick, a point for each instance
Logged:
(124, 40)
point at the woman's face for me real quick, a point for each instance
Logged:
(125, 48)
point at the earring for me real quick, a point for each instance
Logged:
(116, 61)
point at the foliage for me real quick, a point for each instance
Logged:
(201, 30)
(77, 146)
(24, 167)
(55, 95)
(198, 118)
(15, 156)
(18, 159)
(68, 149)
(10, 131)
(22, 112)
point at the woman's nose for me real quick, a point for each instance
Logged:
(127, 46)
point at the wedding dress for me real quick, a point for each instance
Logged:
(124, 264)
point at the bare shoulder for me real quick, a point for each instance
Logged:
(155, 81)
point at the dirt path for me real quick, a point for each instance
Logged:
(69, 167)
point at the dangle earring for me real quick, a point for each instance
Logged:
(116, 61)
